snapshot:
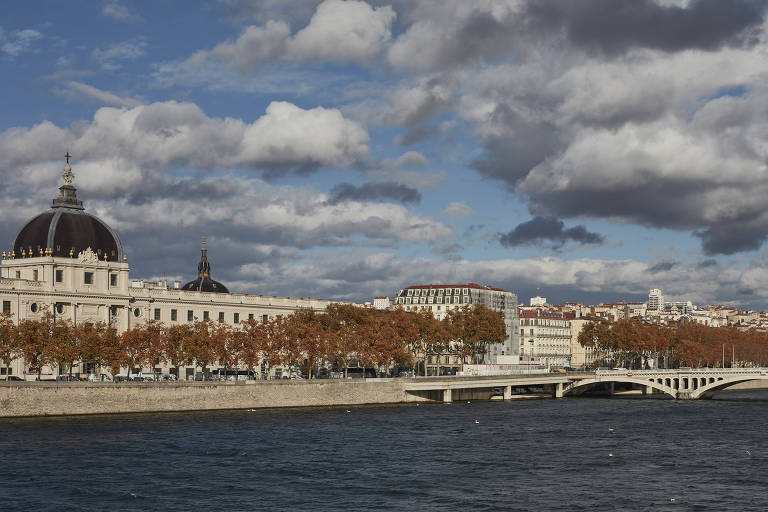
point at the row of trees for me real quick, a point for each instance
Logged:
(343, 335)
(631, 344)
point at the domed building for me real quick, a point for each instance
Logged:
(204, 283)
(71, 263)
(66, 229)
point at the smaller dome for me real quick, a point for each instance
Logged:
(204, 283)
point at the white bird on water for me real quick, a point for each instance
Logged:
(477, 422)
(748, 452)
(610, 455)
(610, 429)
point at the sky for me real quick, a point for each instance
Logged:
(341, 149)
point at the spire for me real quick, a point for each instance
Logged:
(204, 268)
(67, 192)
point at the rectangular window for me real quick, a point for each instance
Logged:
(237, 318)
(190, 315)
(221, 316)
(250, 316)
(6, 306)
(18, 274)
(88, 278)
(265, 318)
(206, 316)
(59, 275)
(174, 315)
(34, 275)
(157, 313)
(112, 279)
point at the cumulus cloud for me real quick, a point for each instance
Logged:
(344, 30)
(548, 231)
(360, 275)
(658, 123)
(416, 105)
(169, 133)
(339, 30)
(387, 190)
(447, 34)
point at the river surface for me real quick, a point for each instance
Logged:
(544, 455)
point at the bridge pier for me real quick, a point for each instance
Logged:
(647, 390)
(610, 388)
(507, 392)
(557, 390)
(447, 396)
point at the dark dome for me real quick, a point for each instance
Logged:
(205, 284)
(67, 230)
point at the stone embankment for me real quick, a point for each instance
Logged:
(64, 398)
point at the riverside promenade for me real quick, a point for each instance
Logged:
(70, 398)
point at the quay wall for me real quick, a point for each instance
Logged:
(66, 398)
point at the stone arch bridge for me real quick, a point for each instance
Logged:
(681, 384)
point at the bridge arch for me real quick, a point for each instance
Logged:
(719, 384)
(652, 383)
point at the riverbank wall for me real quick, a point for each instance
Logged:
(68, 398)
(19, 399)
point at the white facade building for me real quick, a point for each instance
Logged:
(545, 338)
(655, 300)
(72, 264)
(381, 303)
(440, 298)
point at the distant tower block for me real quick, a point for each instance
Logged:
(655, 300)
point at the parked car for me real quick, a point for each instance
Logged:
(13, 378)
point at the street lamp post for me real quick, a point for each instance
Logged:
(530, 357)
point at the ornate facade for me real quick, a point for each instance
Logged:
(72, 263)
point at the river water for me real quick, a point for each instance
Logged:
(543, 455)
